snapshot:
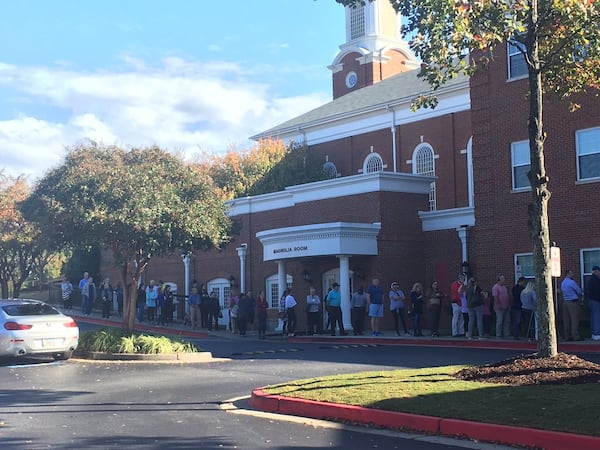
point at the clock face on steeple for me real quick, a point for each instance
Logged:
(351, 80)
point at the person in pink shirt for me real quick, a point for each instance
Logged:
(501, 307)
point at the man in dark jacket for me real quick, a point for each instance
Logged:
(593, 295)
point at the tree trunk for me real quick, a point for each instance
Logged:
(538, 209)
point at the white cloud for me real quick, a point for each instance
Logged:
(178, 105)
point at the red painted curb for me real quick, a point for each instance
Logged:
(487, 432)
(506, 434)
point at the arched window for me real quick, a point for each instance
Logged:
(423, 164)
(373, 163)
(330, 170)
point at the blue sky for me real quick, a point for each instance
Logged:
(192, 76)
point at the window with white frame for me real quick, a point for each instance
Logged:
(424, 164)
(357, 22)
(517, 65)
(520, 164)
(273, 292)
(590, 257)
(330, 170)
(524, 265)
(588, 153)
(373, 163)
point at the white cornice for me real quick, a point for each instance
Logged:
(447, 219)
(334, 188)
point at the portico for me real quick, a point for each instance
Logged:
(340, 239)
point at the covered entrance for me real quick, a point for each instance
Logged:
(340, 239)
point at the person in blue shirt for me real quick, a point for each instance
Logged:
(571, 293)
(334, 301)
(375, 296)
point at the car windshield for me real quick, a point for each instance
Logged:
(30, 309)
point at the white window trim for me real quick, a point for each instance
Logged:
(433, 190)
(512, 167)
(583, 180)
(333, 168)
(515, 259)
(369, 157)
(508, 62)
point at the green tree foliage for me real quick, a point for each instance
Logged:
(137, 204)
(560, 40)
(24, 250)
(85, 259)
(269, 166)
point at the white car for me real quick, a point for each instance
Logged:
(31, 327)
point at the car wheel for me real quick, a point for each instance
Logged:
(62, 356)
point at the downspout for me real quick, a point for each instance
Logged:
(393, 130)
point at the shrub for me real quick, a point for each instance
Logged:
(112, 340)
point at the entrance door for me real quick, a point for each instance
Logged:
(222, 287)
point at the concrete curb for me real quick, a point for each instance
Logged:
(487, 432)
(175, 357)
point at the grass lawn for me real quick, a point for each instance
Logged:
(434, 392)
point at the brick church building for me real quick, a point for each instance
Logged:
(411, 196)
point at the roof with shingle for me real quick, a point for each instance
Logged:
(399, 88)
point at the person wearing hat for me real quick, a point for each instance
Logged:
(593, 295)
(571, 293)
(334, 301)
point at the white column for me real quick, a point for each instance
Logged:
(282, 281)
(345, 290)
(186, 287)
(242, 251)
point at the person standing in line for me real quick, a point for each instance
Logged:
(194, 303)
(435, 297)
(261, 315)
(234, 307)
(151, 296)
(593, 295)
(85, 298)
(290, 309)
(397, 299)
(161, 305)
(106, 295)
(517, 307)
(475, 305)
(283, 313)
(66, 290)
(358, 303)
(312, 312)
(244, 313)
(375, 297)
(214, 311)
(417, 300)
(91, 290)
(334, 301)
(529, 303)
(501, 306)
(203, 303)
(457, 289)
(571, 294)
